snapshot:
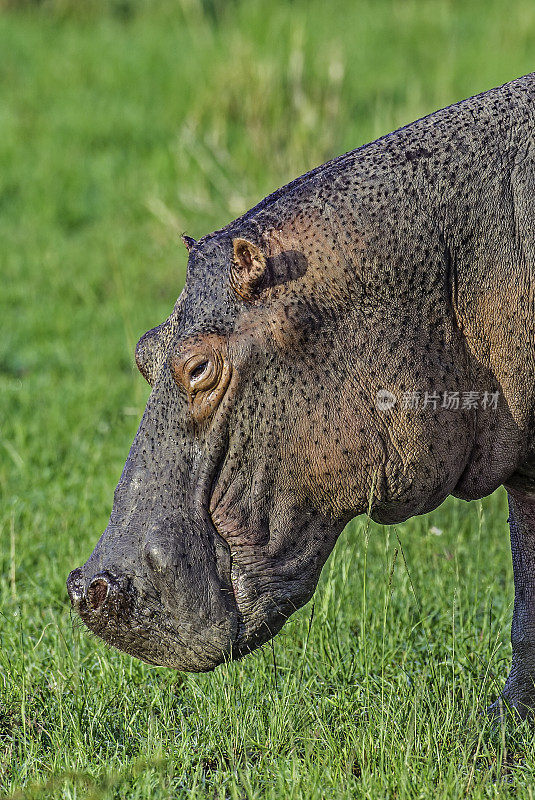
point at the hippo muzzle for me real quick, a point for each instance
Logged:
(146, 610)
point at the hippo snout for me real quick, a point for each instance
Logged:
(158, 602)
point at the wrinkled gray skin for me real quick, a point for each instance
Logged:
(406, 265)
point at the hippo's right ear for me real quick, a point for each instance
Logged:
(247, 270)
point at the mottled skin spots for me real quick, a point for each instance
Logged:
(408, 266)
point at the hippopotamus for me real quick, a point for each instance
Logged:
(359, 342)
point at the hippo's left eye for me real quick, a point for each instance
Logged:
(202, 373)
(197, 371)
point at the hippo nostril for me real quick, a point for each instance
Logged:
(97, 592)
(108, 592)
(75, 586)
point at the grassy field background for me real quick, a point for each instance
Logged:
(121, 126)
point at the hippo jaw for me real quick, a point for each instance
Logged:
(215, 579)
(277, 545)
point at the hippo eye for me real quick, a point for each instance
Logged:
(202, 374)
(197, 371)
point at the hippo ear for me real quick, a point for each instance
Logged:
(188, 241)
(248, 269)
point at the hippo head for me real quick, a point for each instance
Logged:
(261, 438)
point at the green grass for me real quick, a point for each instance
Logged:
(123, 124)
